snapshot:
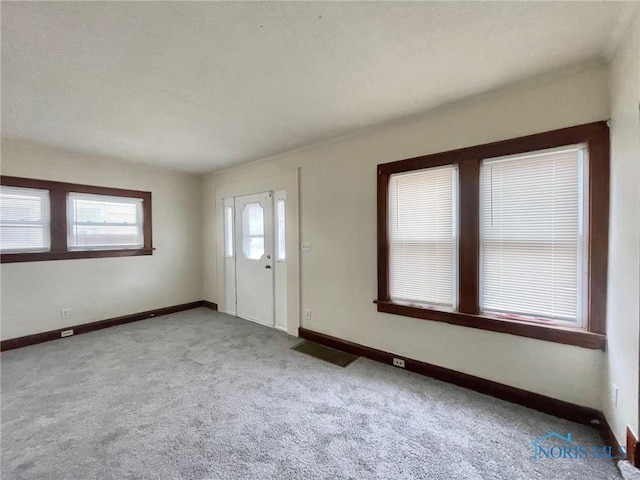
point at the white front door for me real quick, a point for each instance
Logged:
(254, 257)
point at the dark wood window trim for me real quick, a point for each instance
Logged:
(596, 136)
(58, 192)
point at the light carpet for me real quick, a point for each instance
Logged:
(202, 395)
(629, 472)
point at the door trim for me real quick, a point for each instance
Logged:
(215, 283)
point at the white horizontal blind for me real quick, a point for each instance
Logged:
(422, 231)
(103, 222)
(24, 220)
(531, 234)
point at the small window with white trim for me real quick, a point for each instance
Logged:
(103, 222)
(280, 232)
(228, 231)
(24, 220)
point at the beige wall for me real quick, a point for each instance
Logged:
(95, 289)
(623, 315)
(338, 215)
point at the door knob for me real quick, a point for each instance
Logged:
(267, 266)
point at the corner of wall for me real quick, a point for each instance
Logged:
(622, 364)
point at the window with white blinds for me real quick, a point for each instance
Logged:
(103, 222)
(532, 242)
(422, 231)
(24, 220)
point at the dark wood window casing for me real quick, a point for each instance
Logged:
(58, 192)
(592, 335)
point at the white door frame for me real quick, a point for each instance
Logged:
(287, 181)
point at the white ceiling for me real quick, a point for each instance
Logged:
(204, 85)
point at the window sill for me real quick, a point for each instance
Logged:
(549, 333)
(71, 255)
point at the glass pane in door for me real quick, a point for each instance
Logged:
(253, 231)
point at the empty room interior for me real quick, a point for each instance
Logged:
(320, 240)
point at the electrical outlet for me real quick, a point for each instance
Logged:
(307, 314)
(66, 333)
(64, 313)
(614, 395)
(398, 362)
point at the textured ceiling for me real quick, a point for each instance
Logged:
(204, 85)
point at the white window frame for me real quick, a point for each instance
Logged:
(583, 219)
(455, 240)
(108, 199)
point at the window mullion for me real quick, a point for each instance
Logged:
(469, 236)
(58, 202)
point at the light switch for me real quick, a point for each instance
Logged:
(306, 246)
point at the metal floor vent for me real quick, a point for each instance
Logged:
(327, 354)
